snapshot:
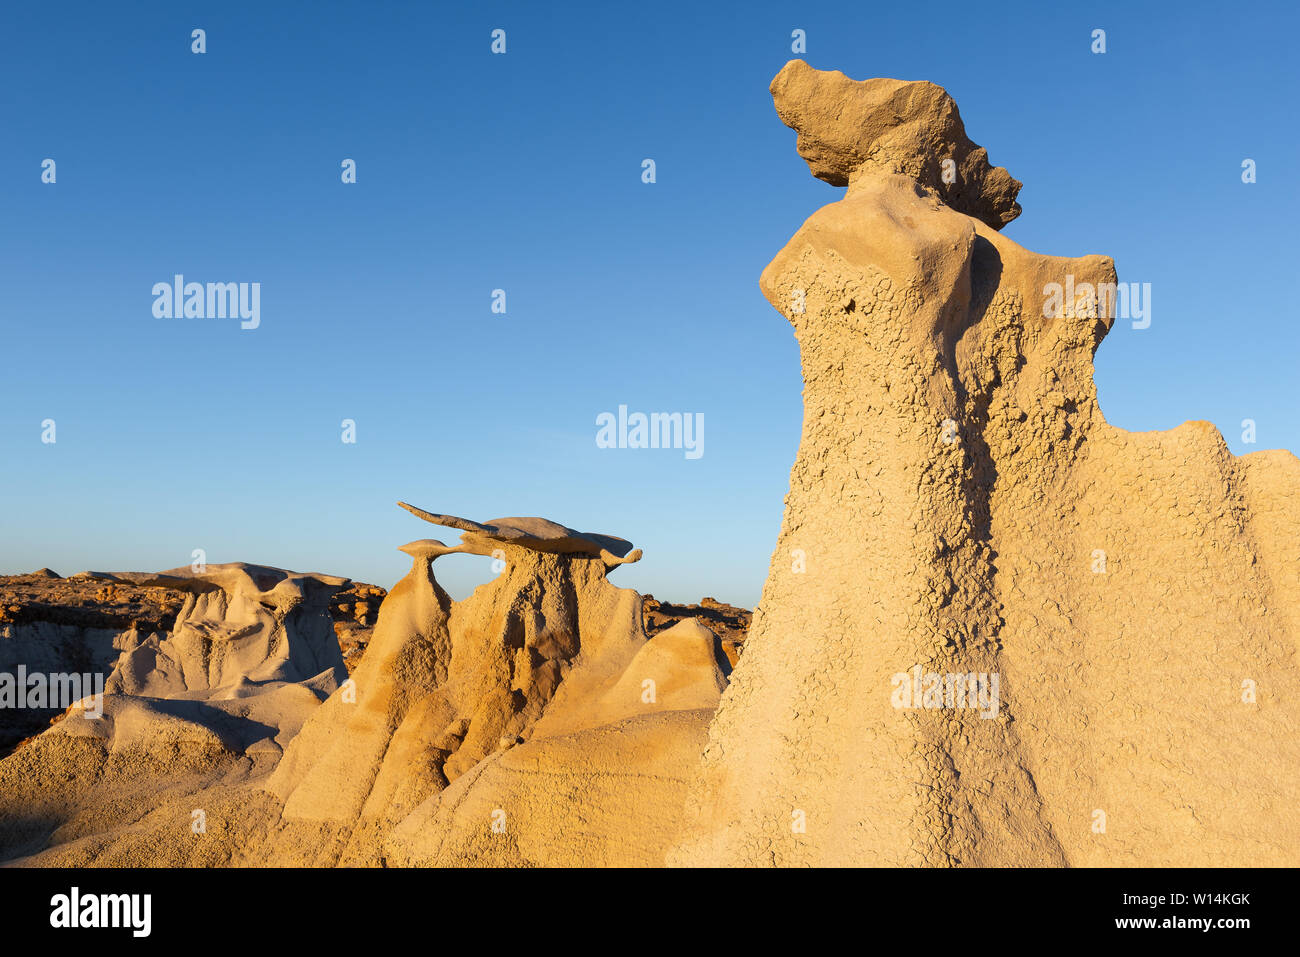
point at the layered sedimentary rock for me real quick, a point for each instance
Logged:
(960, 506)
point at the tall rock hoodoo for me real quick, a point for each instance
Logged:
(1120, 605)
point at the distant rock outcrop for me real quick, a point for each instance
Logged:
(959, 506)
(728, 622)
(355, 610)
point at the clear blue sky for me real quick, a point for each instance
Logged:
(523, 172)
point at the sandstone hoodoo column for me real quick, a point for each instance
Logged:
(960, 507)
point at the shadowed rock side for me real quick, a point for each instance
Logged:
(959, 503)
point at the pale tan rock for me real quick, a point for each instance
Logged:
(537, 534)
(851, 129)
(676, 670)
(609, 796)
(260, 625)
(955, 488)
(542, 651)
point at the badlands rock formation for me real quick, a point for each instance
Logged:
(80, 625)
(480, 726)
(532, 723)
(959, 507)
(250, 655)
(959, 504)
(175, 634)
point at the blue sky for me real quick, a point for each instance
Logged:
(523, 172)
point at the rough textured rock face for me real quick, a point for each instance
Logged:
(959, 505)
(959, 509)
(849, 129)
